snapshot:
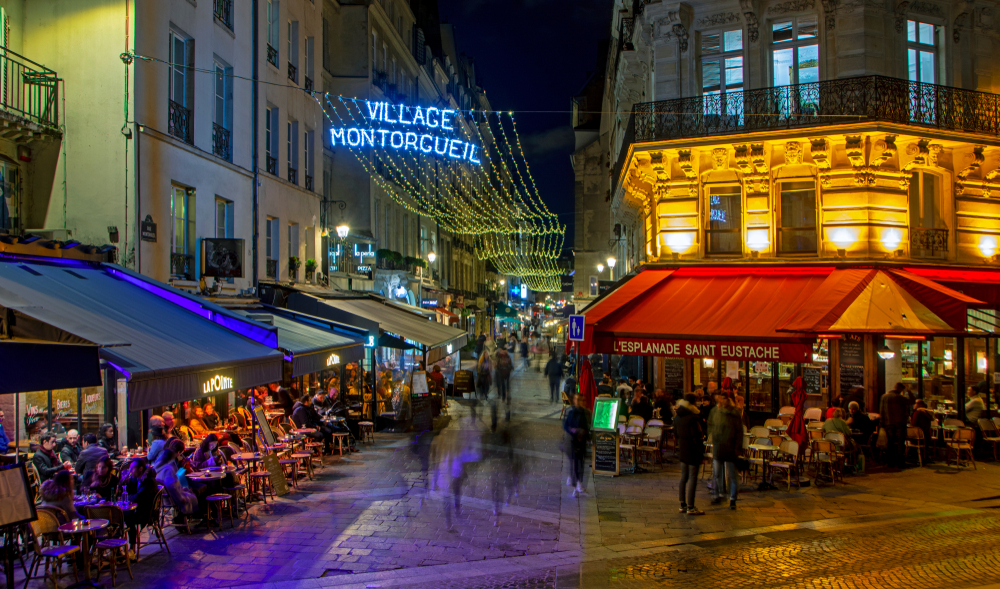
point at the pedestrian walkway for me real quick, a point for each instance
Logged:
(374, 519)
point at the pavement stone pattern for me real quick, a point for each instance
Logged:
(376, 519)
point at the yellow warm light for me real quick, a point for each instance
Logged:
(679, 242)
(758, 239)
(842, 237)
(891, 239)
(988, 246)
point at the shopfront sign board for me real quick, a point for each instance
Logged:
(277, 476)
(465, 383)
(606, 414)
(851, 366)
(606, 454)
(723, 350)
(576, 328)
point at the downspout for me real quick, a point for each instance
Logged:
(256, 130)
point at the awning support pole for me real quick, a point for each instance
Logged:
(959, 365)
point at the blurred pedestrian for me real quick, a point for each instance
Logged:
(726, 429)
(577, 427)
(893, 414)
(690, 450)
(554, 370)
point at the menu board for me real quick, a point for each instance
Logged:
(606, 414)
(465, 382)
(606, 454)
(673, 376)
(423, 419)
(277, 476)
(419, 386)
(851, 367)
(813, 379)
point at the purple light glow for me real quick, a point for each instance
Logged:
(174, 298)
(257, 333)
(119, 369)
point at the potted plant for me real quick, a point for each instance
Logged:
(293, 268)
(310, 269)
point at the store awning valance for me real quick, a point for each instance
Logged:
(170, 346)
(983, 285)
(312, 343)
(40, 366)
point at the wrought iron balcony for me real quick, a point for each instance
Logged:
(293, 175)
(182, 266)
(293, 72)
(308, 84)
(222, 142)
(379, 80)
(928, 243)
(309, 182)
(831, 102)
(271, 269)
(224, 12)
(179, 122)
(272, 55)
(272, 165)
(30, 90)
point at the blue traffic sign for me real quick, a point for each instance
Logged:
(576, 330)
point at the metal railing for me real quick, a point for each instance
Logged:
(224, 12)
(293, 72)
(308, 84)
(379, 80)
(293, 175)
(831, 102)
(182, 266)
(29, 90)
(271, 268)
(179, 122)
(309, 182)
(626, 28)
(272, 165)
(272, 55)
(928, 243)
(222, 142)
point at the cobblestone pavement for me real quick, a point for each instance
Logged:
(376, 519)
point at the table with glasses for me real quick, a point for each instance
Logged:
(84, 528)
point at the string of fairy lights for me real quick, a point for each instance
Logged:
(464, 169)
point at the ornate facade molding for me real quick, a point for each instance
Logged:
(830, 13)
(820, 153)
(927, 8)
(791, 6)
(720, 159)
(977, 161)
(718, 20)
(750, 16)
(874, 6)
(793, 153)
(751, 161)
(900, 12)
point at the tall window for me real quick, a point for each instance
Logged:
(921, 48)
(797, 217)
(271, 139)
(223, 217)
(292, 149)
(272, 24)
(182, 214)
(721, 74)
(375, 224)
(795, 51)
(385, 58)
(180, 60)
(293, 43)
(307, 154)
(293, 239)
(223, 113)
(925, 210)
(307, 56)
(725, 220)
(374, 51)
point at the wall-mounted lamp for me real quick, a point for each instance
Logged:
(708, 362)
(988, 246)
(612, 262)
(885, 353)
(600, 268)
(431, 257)
(891, 238)
(843, 238)
(758, 240)
(343, 231)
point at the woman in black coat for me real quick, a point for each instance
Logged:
(140, 484)
(690, 450)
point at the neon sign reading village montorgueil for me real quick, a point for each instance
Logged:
(431, 132)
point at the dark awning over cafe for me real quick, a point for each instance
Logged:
(40, 366)
(312, 343)
(170, 346)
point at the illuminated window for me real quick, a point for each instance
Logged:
(925, 206)
(921, 49)
(721, 74)
(797, 217)
(725, 220)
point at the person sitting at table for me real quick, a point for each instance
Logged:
(640, 405)
(974, 408)
(836, 423)
(922, 418)
(70, 451)
(304, 417)
(45, 459)
(92, 454)
(4, 440)
(197, 423)
(321, 401)
(167, 467)
(282, 398)
(837, 403)
(156, 438)
(57, 492)
(105, 481)
(210, 417)
(106, 440)
(661, 401)
(208, 454)
(859, 421)
(140, 484)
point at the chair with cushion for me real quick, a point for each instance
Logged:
(636, 421)
(650, 444)
(824, 456)
(759, 431)
(52, 557)
(813, 414)
(773, 424)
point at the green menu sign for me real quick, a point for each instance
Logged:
(606, 414)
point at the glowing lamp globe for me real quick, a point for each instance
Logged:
(342, 231)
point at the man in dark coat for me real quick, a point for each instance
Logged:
(641, 406)
(577, 427)
(70, 451)
(45, 459)
(305, 417)
(554, 370)
(894, 413)
(690, 451)
(92, 454)
(726, 428)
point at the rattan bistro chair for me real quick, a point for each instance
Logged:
(961, 442)
(787, 460)
(915, 441)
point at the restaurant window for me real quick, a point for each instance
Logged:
(797, 218)
(725, 220)
(795, 60)
(722, 77)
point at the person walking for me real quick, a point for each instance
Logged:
(726, 429)
(894, 412)
(504, 366)
(690, 450)
(554, 370)
(484, 376)
(577, 428)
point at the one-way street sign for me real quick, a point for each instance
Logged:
(576, 330)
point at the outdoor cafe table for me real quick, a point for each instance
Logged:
(84, 527)
(766, 449)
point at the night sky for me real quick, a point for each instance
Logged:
(535, 55)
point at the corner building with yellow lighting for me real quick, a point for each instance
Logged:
(818, 187)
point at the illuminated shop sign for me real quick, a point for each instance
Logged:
(217, 384)
(333, 360)
(364, 253)
(408, 128)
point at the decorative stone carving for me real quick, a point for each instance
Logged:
(924, 154)
(869, 6)
(750, 15)
(959, 25)
(717, 20)
(686, 164)
(793, 153)
(900, 12)
(791, 6)
(820, 152)
(984, 18)
(864, 175)
(927, 8)
(830, 12)
(720, 159)
(884, 150)
(977, 161)
(751, 161)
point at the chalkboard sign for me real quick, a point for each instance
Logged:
(277, 476)
(605, 461)
(851, 375)
(852, 349)
(813, 379)
(465, 382)
(423, 419)
(673, 376)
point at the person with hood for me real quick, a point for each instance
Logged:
(554, 370)
(690, 451)
(577, 428)
(726, 429)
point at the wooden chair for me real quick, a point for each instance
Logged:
(51, 556)
(962, 441)
(915, 441)
(651, 444)
(759, 431)
(636, 421)
(367, 431)
(655, 423)
(787, 460)
(168, 513)
(813, 414)
(33, 482)
(154, 528)
(261, 482)
(221, 501)
(990, 433)
(824, 455)
(114, 543)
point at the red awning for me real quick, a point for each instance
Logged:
(984, 285)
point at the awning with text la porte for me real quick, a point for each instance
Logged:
(725, 313)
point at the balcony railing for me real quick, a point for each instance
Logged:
(272, 165)
(309, 182)
(179, 122)
(222, 142)
(928, 243)
(831, 102)
(272, 55)
(293, 72)
(224, 12)
(293, 175)
(271, 269)
(29, 90)
(379, 80)
(307, 84)
(182, 266)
